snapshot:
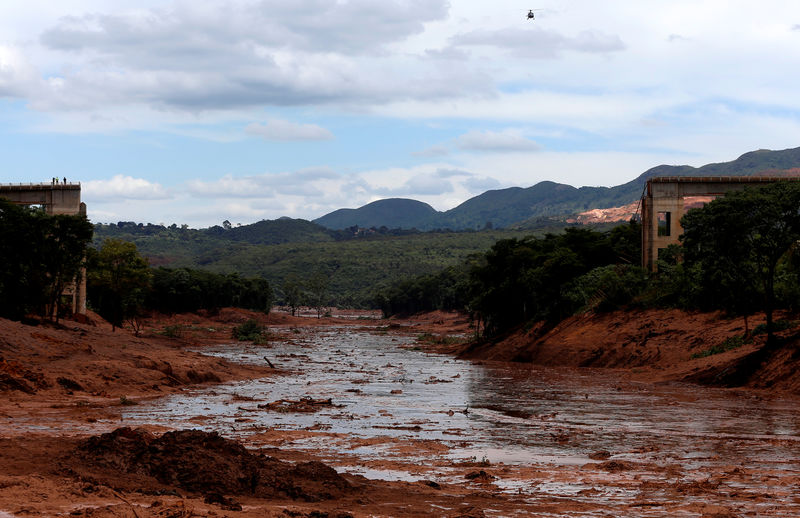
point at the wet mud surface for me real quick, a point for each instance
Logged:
(565, 442)
(408, 434)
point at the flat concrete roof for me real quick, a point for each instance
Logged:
(44, 186)
(721, 179)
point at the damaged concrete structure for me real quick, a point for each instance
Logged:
(663, 205)
(54, 198)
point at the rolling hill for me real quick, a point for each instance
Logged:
(391, 213)
(527, 207)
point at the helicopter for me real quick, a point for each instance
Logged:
(531, 16)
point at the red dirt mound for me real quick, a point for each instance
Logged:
(204, 463)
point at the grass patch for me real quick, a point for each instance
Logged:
(730, 343)
(440, 339)
(174, 331)
(779, 325)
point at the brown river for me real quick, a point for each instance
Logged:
(594, 442)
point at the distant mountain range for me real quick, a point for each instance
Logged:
(518, 207)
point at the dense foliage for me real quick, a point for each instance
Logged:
(118, 281)
(545, 279)
(121, 285)
(354, 266)
(736, 247)
(184, 290)
(530, 278)
(40, 256)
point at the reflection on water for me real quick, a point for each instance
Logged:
(559, 421)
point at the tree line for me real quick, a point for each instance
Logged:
(739, 253)
(121, 286)
(41, 255)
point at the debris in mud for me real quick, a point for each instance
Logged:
(434, 379)
(203, 463)
(469, 512)
(228, 504)
(510, 412)
(305, 404)
(615, 465)
(431, 483)
(8, 382)
(479, 476)
(13, 376)
(316, 514)
(411, 428)
(600, 455)
(69, 384)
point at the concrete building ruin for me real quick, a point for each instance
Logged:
(54, 198)
(664, 203)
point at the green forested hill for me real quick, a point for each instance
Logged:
(355, 266)
(391, 213)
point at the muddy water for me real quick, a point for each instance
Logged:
(605, 445)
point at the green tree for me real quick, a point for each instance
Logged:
(118, 281)
(318, 291)
(292, 292)
(40, 256)
(64, 255)
(737, 242)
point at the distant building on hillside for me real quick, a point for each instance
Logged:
(667, 198)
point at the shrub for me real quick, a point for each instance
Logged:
(248, 331)
(779, 325)
(174, 331)
(732, 342)
(606, 288)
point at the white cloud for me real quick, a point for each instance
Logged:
(123, 187)
(495, 141)
(276, 129)
(432, 152)
(307, 182)
(17, 75)
(478, 185)
(419, 185)
(540, 43)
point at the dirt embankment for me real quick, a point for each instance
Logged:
(657, 345)
(80, 371)
(88, 362)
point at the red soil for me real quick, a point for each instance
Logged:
(79, 370)
(656, 345)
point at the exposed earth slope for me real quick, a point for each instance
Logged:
(657, 345)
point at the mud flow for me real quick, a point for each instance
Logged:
(369, 403)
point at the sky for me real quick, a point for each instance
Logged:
(195, 112)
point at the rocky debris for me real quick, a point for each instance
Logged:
(228, 504)
(204, 463)
(469, 512)
(69, 384)
(13, 376)
(479, 476)
(305, 404)
(600, 455)
(317, 514)
(613, 466)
